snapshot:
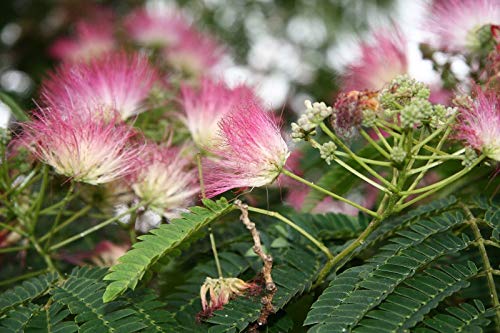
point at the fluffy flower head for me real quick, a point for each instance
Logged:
(381, 61)
(165, 180)
(205, 107)
(479, 124)
(194, 54)
(457, 22)
(91, 39)
(89, 151)
(158, 28)
(116, 82)
(251, 152)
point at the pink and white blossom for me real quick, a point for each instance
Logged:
(204, 107)
(382, 59)
(195, 54)
(455, 23)
(251, 152)
(165, 180)
(116, 82)
(479, 124)
(85, 150)
(160, 28)
(91, 39)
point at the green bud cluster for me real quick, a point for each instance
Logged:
(327, 151)
(5, 136)
(306, 125)
(401, 91)
(469, 157)
(398, 154)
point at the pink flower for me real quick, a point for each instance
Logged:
(89, 151)
(91, 39)
(165, 180)
(116, 82)
(205, 107)
(195, 53)
(381, 61)
(251, 152)
(156, 28)
(479, 124)
(457, 22)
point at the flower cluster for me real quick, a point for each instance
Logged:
(479, 124)
(251, 152)
(165, 180)
(315, 113)
(114, 83)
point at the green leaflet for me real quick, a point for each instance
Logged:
(353, 295)
(27, 291)
(133, 265)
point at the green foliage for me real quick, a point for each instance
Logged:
(292, 276)
(463, 318)
(90, 312)
(406, 279)
(135, 263)
(52, 320)
(27, 291)
(420, 272)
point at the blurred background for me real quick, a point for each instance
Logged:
(289, 49)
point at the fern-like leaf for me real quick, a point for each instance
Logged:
(82, 293)
(133, 265)
(18, 318)
(292, 276)
(27, 291)
(150, 310)
(463, 318)
(51, 320)
(343, 305)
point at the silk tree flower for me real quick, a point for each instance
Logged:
(251, 152)
(116, 82)
(165, 180)
(91, 39)
(479, 124)
(382, 60)
(456, 23)
(195, 54)
(204, 107)
(160, 28)
(90, 151)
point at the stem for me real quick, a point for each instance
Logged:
(13, 229)
(486, 261)
(70, 220)
(44, 254)
(65, 202)
(375, 144)
(13, 249)
(211, 234)
(442, 159)
(22, 277)
(382, 138)
(354, 156)
(304, 233)
(214, 251)
(445, 181)
(437, 188)
(360, 175)
(333, 195)
(41, 194)
(364, 159)
(200, 176)
(96, 227)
